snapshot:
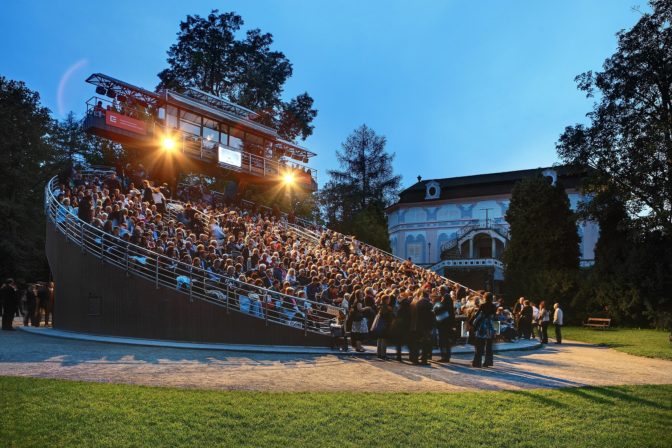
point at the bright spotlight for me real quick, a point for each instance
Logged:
(168, 143)
(288, 178)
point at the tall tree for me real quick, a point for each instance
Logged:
(210, 56)
(629, 140)
(632, 275)
(355, 196)
(29, 160)
(542, 256)
(71, 144)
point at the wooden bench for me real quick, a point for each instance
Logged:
(597, 322)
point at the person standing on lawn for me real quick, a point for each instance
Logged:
(558, 322)
(544, 320)
(9, 297)
(525, 321)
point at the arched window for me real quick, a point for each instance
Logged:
(416, 248)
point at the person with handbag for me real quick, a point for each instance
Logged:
(484, 332)
(381, 325)
(360, 326)
(444, 313)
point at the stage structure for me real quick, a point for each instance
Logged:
(214, 135)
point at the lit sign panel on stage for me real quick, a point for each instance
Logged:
(230, 157)
(123, 122)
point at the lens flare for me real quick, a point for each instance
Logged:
(60, 94)
(288, 178)
(168, 143)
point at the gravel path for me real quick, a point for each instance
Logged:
(566, 365)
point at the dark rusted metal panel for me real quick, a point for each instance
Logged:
(132, 306)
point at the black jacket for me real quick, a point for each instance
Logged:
(9, 298)
(526, 314)
(422, 317)
(84, 211)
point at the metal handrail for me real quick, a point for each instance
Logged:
(199, 284)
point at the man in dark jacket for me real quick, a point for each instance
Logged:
(525, 320)
(444, 312)
(9, 297)
(401, 323)
(313, 289)
(85, 210)
(31, 306)
(422, 323)
(112, 183)
(42, 304)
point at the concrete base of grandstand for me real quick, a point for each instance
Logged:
(276, 349)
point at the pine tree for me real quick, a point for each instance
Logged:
(355, 196)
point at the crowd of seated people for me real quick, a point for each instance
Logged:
(313, 277)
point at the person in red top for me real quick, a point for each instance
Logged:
(99, 110)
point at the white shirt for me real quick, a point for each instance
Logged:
(557, 317)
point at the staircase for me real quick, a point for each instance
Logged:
(450, 250)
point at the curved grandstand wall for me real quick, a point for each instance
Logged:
(94, 297)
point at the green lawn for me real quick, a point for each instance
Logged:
(40, 413)
(649, 343)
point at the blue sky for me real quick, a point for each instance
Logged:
(457, 87)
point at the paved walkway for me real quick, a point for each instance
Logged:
(566, 365)
(370, 350)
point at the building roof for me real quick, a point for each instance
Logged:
(482, 184)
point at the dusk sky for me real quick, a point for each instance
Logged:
(457, 87)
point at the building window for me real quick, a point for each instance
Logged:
(236, 139)
(414, 252)
(432, 190)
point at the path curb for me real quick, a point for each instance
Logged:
(275, 349)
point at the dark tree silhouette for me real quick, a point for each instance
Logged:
(628, 143)
(210, 56)
(543, 252)
(28, 161)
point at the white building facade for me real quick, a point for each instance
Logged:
(459, 222)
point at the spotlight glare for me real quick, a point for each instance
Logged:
(168, 143)
(288, 178)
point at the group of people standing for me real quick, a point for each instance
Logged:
(528, 317)
(421, 320)
(409, 319)
(38, 303)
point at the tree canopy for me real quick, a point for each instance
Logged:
(355, 197)
(631, 278)
(543, 252)
(210, 56)
(29, 160)
(628, 142)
